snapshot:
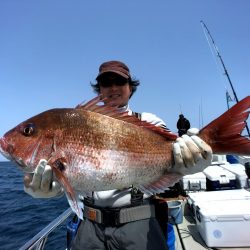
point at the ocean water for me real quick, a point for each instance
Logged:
(22, 217)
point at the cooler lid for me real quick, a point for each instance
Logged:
(236, 194)
(215, 173)
(197, 176)
(225, 208)
(237, 169)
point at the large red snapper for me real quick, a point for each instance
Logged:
(93, 147)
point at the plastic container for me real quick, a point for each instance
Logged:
(224, 223)
(194, 182)
(219, 178)
(243, 159)
(219, 159)
(72, 228)
(240, 173)
(232, 159)
(175, 212)
(171, 237)
(201, 198)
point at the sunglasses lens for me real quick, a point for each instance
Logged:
(109, 82)
(105, 84)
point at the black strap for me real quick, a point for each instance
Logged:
(88, 201)
(136, 197)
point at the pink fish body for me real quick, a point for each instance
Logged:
(94, 151)
(93, 147)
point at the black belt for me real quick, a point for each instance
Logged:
(118, 216)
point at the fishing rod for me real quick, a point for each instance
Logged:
(223, 65)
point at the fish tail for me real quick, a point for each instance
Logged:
(224, 133)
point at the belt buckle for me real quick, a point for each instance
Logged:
(111, 217)
(91, 214)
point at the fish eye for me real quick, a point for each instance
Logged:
(28, 130)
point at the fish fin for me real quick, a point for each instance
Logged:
(115, 113)
(73, 199)
(224, 133)
(161, 184)
(76, 205)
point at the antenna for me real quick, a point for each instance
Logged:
(180, 108)
(205, 28)
(200, 116)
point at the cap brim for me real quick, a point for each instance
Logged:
(113, 71)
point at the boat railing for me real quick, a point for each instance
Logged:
(39, 240)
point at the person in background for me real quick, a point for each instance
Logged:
(183, 125)
(141, 229)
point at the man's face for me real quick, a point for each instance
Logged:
(116, 89)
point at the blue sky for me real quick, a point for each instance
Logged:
(50, 51)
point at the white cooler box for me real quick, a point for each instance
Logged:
(194, 182)
(244, 159)
(200, 198)
(219, 178)
(219, 159)
(224, 223)
(240, 173)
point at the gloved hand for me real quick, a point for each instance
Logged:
(191, 153)
(41, 183)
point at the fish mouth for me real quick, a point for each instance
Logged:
(6, 149)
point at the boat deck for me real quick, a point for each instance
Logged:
(188, 238)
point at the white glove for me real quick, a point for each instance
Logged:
(41, 183)
(191, 153)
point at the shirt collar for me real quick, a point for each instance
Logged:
(125, 109)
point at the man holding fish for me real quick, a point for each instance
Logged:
(122, 219)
